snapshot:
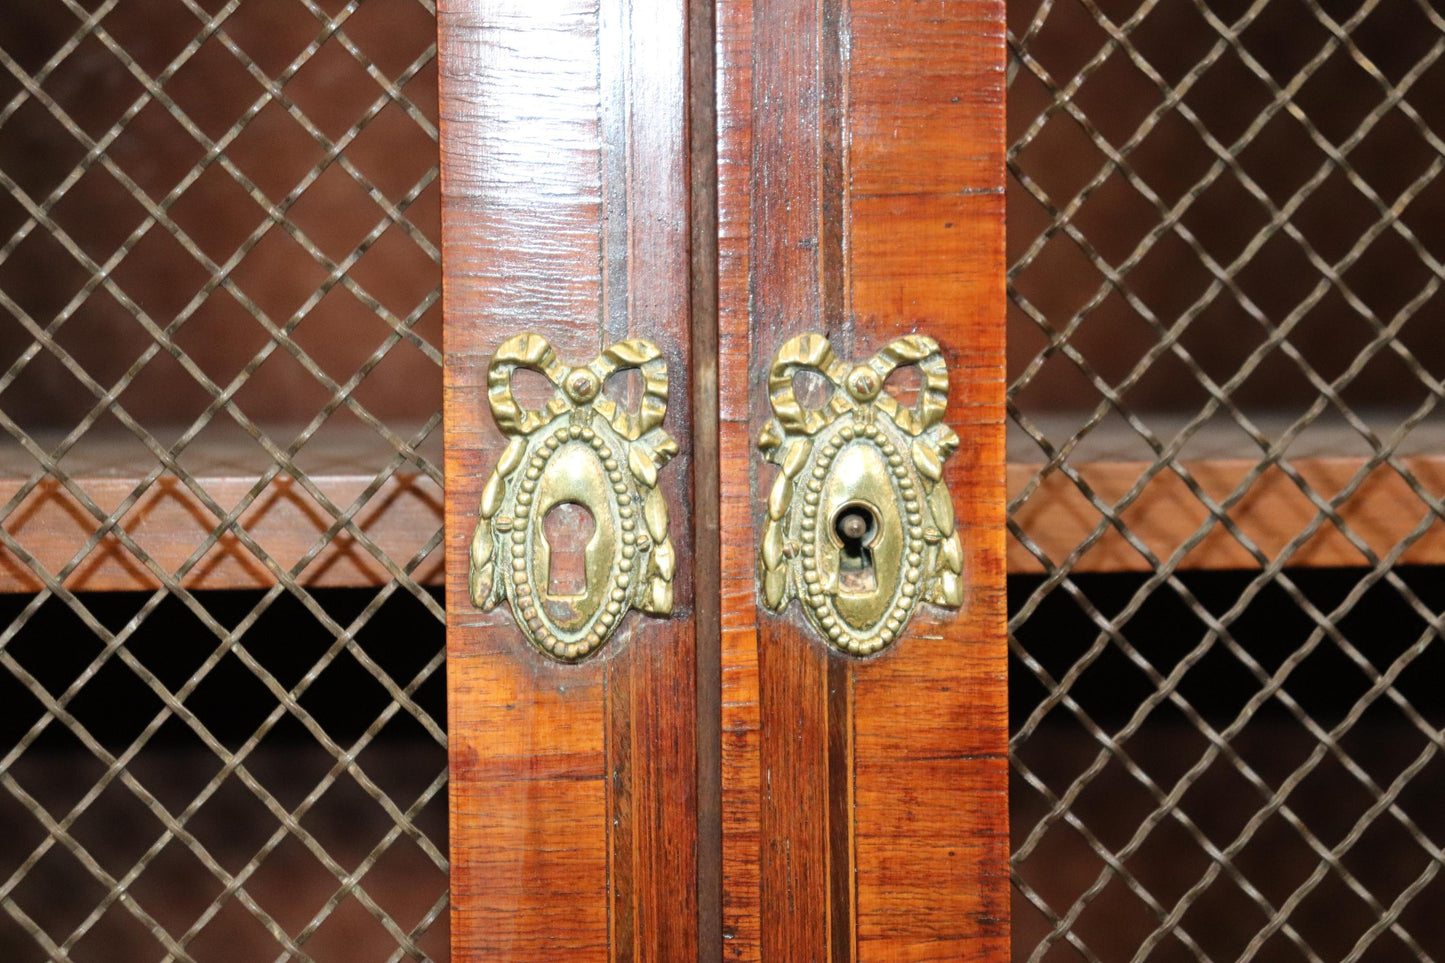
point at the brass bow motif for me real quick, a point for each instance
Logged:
(862, 455)
(579, 448)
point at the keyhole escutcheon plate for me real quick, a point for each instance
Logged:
(859, 455)
(584, 449)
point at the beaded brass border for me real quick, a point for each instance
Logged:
(911, 445)
(585, 449)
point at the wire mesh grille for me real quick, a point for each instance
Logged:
(220, 369)
(219, 263)
(1226, 251)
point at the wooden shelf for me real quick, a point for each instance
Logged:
(1275, 509)
(170, 521)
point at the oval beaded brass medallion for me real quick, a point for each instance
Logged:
(860, 525)
(579, 449)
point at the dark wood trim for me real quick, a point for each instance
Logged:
(796, 285)
(707, 499)
(842, 894)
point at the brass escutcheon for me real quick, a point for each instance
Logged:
(860, 525)
(581, 449)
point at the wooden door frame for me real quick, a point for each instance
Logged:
(568, 187)
(719, 785)
(861, 196)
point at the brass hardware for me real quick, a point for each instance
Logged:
(860, 525)
(581, 449)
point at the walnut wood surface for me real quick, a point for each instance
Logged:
(566, 180)
(860, 192)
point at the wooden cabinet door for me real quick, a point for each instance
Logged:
(721, 782)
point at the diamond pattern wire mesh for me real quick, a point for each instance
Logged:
(218, 269)
(1223, 223)
(1221, 214)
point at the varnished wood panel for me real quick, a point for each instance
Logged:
(567, 190)
(861, 195)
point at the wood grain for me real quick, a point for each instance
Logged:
(707, 476)
(861, 195)
(566, 192)
(1377, 511)
(170, 523)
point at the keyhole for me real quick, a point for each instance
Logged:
(567, 527)
(856, 527)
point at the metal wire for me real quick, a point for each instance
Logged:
(1132, 137)
(1132, 743)
(56, 63)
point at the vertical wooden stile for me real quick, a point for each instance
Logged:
(566, 212)
(847, 809)
(860, 195)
